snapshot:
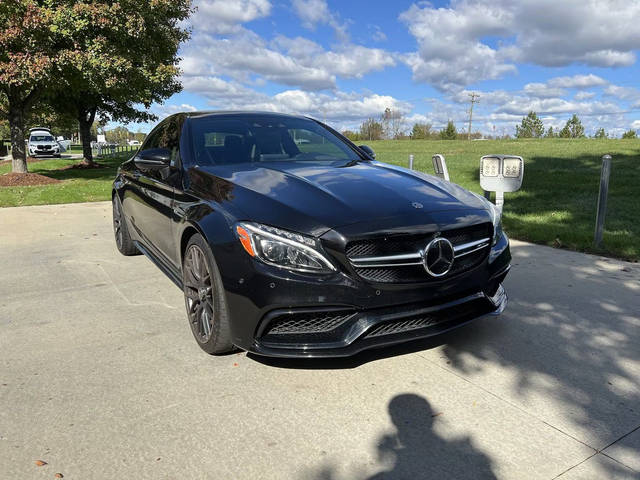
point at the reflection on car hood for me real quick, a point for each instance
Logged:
(312, 196)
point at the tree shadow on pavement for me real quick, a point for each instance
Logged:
(567, 347)
(414, 450)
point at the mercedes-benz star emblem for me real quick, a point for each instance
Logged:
(438, 257)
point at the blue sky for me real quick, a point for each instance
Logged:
(346, 61)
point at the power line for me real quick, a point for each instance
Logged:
(474, 98)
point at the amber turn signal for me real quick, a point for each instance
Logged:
(245, 240)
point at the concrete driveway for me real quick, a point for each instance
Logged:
(101, 379)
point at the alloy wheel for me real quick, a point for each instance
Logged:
(117, 222)
(198, 292)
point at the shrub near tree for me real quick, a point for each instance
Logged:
(600, 134)
(629, 134)
(449, 132)
(573, 128)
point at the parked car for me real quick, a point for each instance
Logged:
(304, 253)
(41, 143)
(134, 143)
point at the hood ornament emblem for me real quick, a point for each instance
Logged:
(417, 205)
(438, 257)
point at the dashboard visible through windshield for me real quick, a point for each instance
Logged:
(223, 140)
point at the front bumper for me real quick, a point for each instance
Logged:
(354, 315)
(384, 327)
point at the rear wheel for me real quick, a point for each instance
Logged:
(204, 298)
(123, 239)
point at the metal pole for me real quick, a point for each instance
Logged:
(410, 162)
(602, 200)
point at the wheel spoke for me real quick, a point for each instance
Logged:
(205, 322)
(198, 292)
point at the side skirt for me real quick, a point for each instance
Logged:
(163, 266)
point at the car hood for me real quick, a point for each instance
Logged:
(314, 197)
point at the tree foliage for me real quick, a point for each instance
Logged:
(449, 132)
(531, 127)
(371, 130)
(421, 131)
(392, 123)
(87, 58)
(629, 134)
(600, 134)
(573, 128)
(551, 133)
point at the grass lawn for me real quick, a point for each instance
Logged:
(559, 195)
(556, 205)
(79, 185)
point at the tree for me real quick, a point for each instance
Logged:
(550, 133)
(629, 134)
(600, 134)
(531, 127)
(371, 130)
(421, 131)
(392, 122)
(449, 133)
(573, 128)
(30, 53)
(127, 57)
(351, 135)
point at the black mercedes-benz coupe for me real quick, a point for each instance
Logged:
(289, 240)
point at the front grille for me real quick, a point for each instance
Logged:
(412, 243)
(403, 325)
(406, 244)
(317, 322)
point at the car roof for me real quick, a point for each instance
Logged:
(208, 113)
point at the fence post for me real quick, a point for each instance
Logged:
(410, 162)
(602, 200)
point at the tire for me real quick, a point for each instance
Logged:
(123, 240)
(204, 298)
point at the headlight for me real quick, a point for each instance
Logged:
(497, 223)
(282, 248)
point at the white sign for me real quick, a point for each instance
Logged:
(440, 166)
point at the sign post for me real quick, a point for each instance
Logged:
(410, 162)
(501, 173)
(605, 173)
(440, 166)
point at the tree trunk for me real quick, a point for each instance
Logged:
(85, 120)
(16, 124)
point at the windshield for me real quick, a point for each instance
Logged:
(225, 139)
(41, 138)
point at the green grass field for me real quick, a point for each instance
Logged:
(559, 194)
(556, 205)
(78, 186)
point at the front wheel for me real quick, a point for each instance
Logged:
(121, 232)
(204, 298)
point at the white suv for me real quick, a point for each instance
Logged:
(42, 143)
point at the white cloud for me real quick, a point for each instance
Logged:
(577, 81)
(223, 16)
(584, 95)
(635, 124)
(316, 12)
(542, 90)
(623, 93)
(452, 50)
(290, 61)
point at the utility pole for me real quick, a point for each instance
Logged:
(474, 99)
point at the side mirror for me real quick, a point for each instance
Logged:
(153, 158)
(368, 150)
